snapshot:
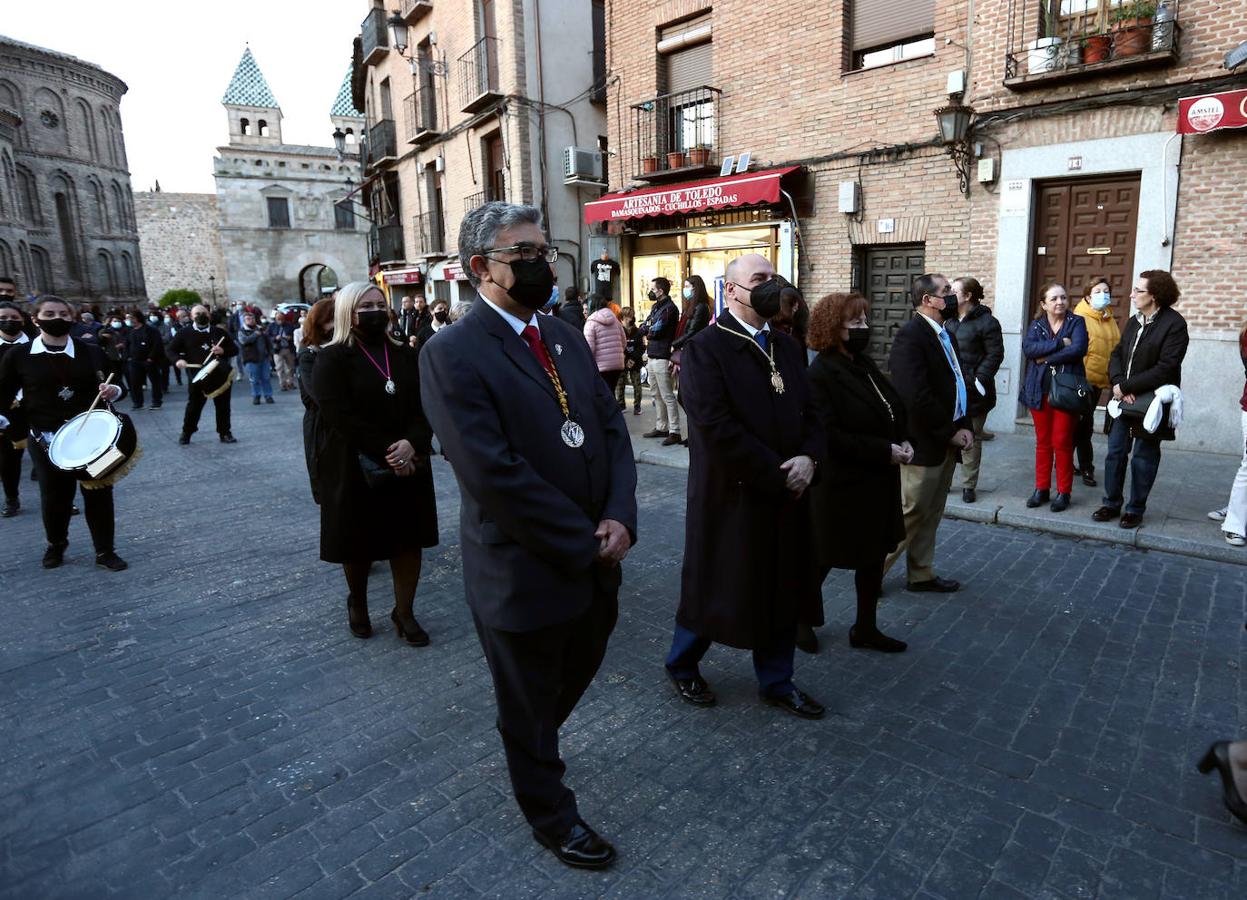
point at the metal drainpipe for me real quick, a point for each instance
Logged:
(541, 121)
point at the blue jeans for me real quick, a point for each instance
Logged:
(1144, 463)
(258, 373)
(772, 665)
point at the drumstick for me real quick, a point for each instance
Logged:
(208, 359)
(98, 398)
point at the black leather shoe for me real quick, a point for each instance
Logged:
(228, 438)
(936, 585)
(875, 640)
(1131, 520)
(1218, 757)
(693, 690)
(268, 399)
(155, 406)
(74, 510)
(184, 439)
(807, 640)
(111, 561)
(54, 556)
(1037, 499)
(1060, 503)
(409, 629)
(1088, 478)
(798, 703)
(12, 507)
(671, 440)
(1105, 514)
(969, 495)
(581, 847)
(656, 434)
(357, 618)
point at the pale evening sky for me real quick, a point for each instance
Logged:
(177, 59)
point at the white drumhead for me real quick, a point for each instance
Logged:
(73, 448)
(204, 372)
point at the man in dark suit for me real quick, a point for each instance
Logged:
(548, 488)
(928, 375)
(412, 317)
(754, 439)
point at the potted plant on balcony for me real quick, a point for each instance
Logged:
(699, 155)
(649, 164)
(1044, 53)
(1132, 28)
(675, 159)
(1098, 46)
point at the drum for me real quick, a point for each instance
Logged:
(214, 379)
(97, 447)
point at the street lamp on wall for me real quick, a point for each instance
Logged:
(955, 122)
(339, 142)
(398, 33)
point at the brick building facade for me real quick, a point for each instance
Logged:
(181, 243)
(66, 211)
(1083, 172)
(480, 105)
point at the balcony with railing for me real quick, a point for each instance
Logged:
(478, 76)
(472, 201)
(412, 11)
(1053, 41)
(429, 233)
(420, 113)
(381, 143)
(375, 37)
(676, 134)
(385, 244)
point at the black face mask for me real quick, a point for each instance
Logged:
(859, 339)
(373, 322)
(765, 298)
(441, 315)
(201, 320)
(11, 326)
(534, 283)
(54, 327)
(950, 307)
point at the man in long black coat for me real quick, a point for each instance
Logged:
(548, 486)
(754, 441)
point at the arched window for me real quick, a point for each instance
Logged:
(263, 127)
(244, 125)
(99, 206)
(41, 271)
(9, 174)
(86, 126)
(11, 98)
(28, 197)
(119, 204)
(6, 260)
(125, 274)
(350, 135)
(105, 277)
(65, 201)
(106, 145)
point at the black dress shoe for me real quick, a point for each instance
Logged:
(74, 510)
(409, 629)
(969, 495)
(1088, 478)
(268, 399)
(798, 703)
(228, 438)
(12, 507)
(1105, 514)
(581, 847)
(807, 640)
(693, 690)
(154, 406)
(671, 440)
(875, 639)
(1218, 757)
(111, 561)
(357, 618)
(1131, 520)
(184, 439)
(1060, 503)
(1037, 499)
(656, 433)
(255, 401)
(54, 556)
(936, 585)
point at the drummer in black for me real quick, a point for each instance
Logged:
(15, 329)
(192, 347)
(60, 376)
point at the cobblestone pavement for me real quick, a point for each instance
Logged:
(204, 725)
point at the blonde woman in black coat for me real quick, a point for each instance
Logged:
(857, 517)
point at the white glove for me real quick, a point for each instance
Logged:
(978, 386)
(4, 423)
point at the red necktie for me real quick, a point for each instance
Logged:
(532, 337)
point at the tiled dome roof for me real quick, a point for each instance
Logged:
(248, 87)
(344, 106)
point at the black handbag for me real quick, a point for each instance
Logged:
(1071, 393)
(375, 474)
(1138, 409)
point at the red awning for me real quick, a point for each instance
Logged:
(691, 197)
(1210, 112)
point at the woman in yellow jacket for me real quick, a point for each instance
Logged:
(1103, 334)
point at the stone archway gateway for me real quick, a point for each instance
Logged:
(316, 280)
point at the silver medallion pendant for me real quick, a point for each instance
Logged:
(573, 434)
(390, 388)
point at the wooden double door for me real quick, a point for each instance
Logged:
(1085, 230)
(888, 273)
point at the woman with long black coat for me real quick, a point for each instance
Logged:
(856, 504)
(316, 331)
(374, 481)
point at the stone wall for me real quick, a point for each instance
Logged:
(181, 244)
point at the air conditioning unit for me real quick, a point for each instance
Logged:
(583, 167)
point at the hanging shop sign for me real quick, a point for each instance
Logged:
(401, 276)
(749, 189)
(1212, 112)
